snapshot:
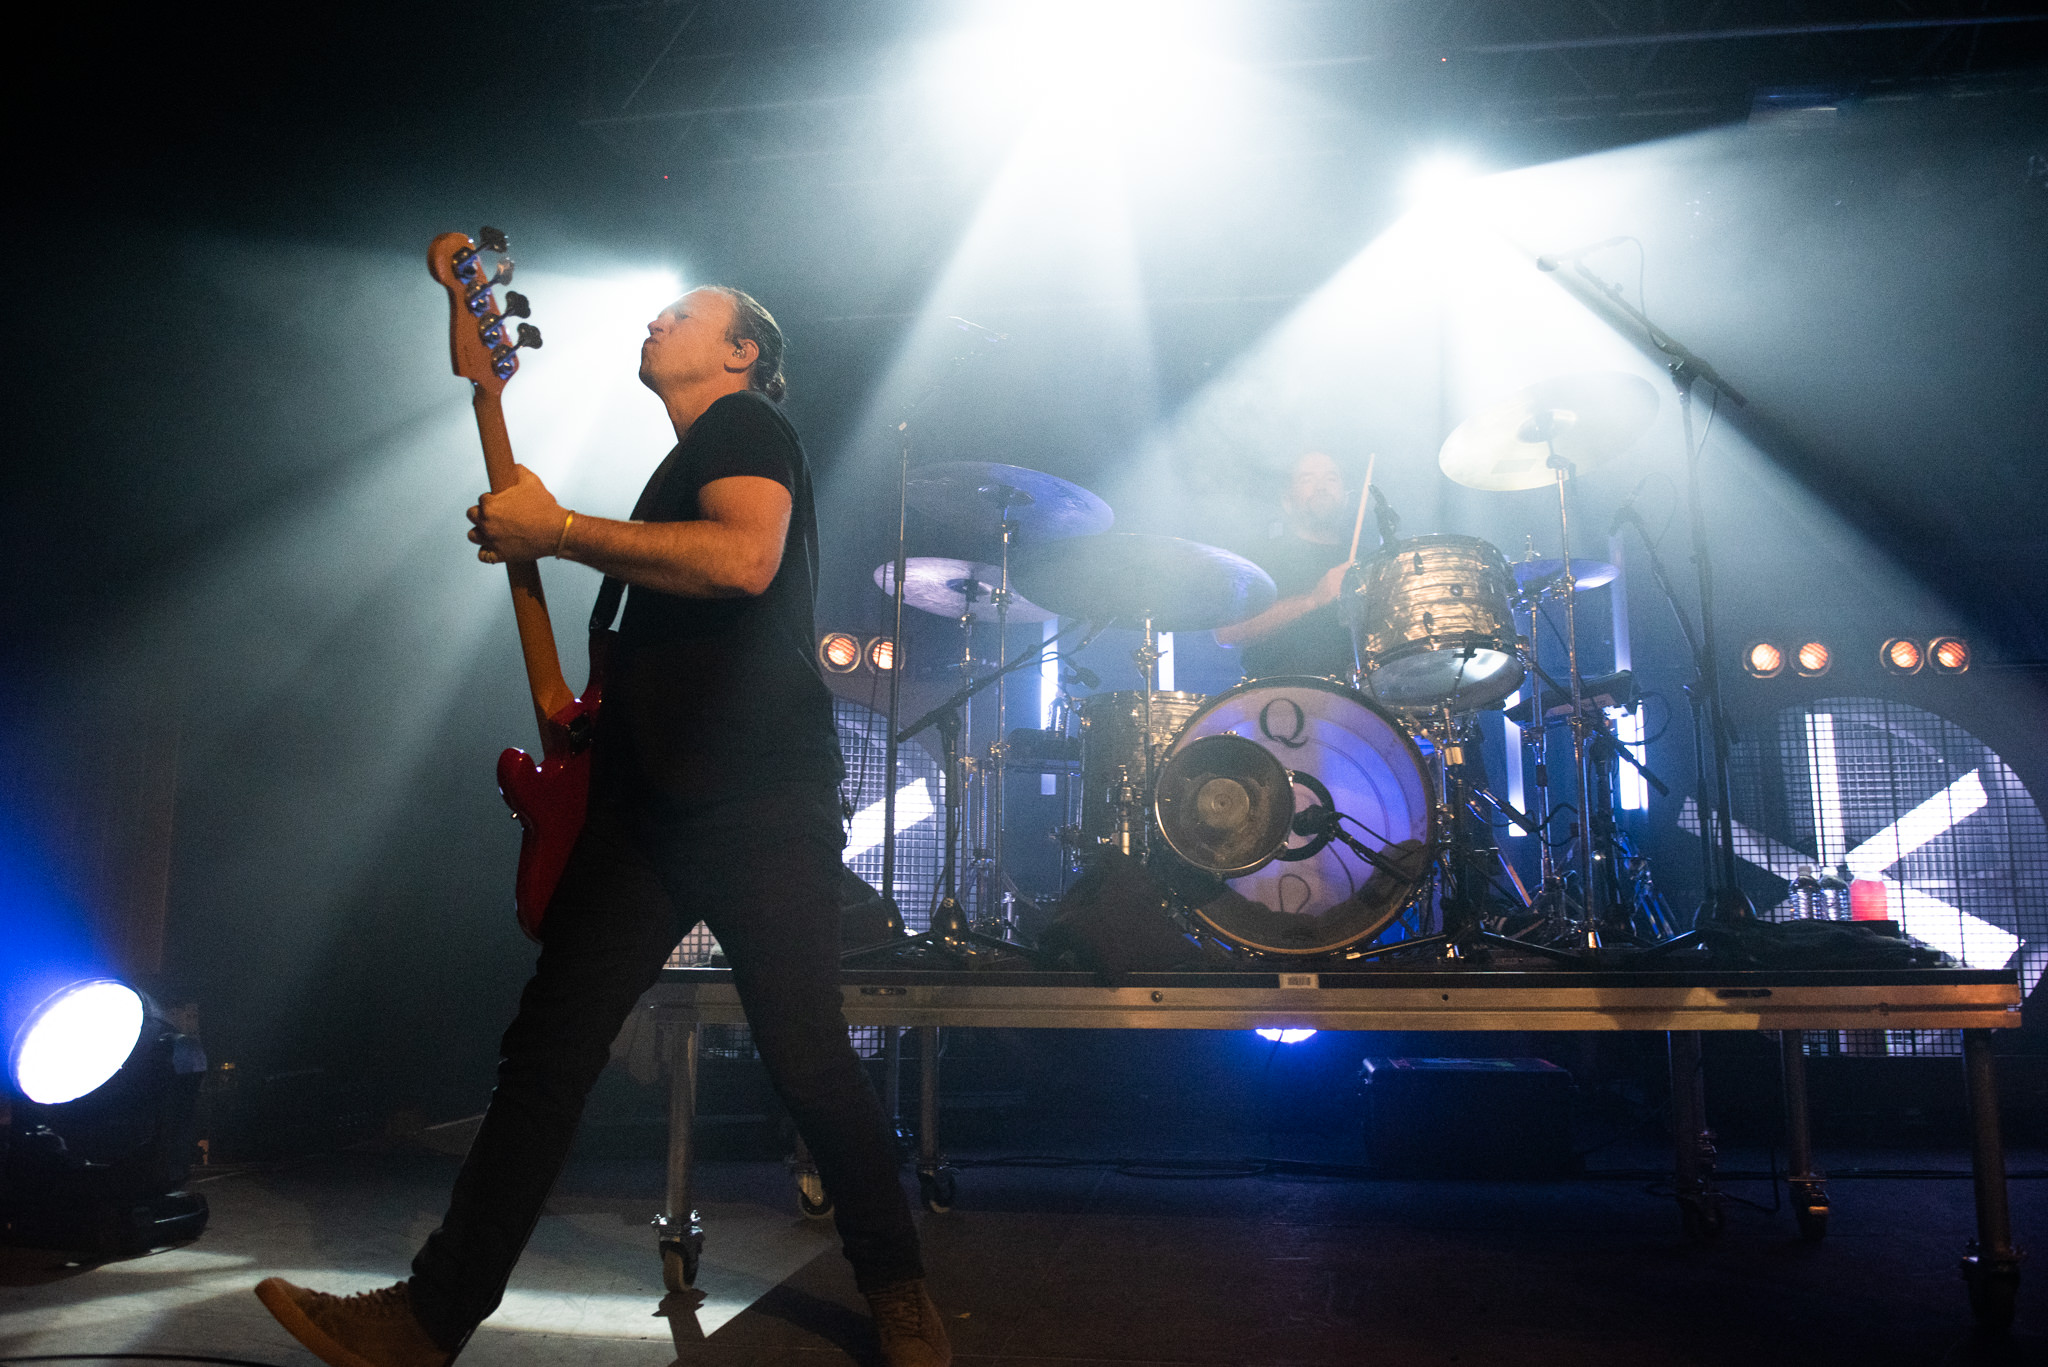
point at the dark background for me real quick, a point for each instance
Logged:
(218, 337)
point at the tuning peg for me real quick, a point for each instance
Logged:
(516, 305)
(502, 275)
(492, 240)
(529, 336)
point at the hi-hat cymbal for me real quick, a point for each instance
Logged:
(1587, 419)
(1586, 574)
(979, 496)
(1128, 576)
(951, 588)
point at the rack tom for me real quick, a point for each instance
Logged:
(1113, 752)
(1435, 628)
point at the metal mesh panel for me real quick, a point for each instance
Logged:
(1908, 799)
(920, 819)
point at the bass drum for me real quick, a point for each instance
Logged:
(1317, 895)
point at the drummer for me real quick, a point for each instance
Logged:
(1302, 633)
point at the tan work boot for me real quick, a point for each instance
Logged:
(909, 1327)
(375, 1329)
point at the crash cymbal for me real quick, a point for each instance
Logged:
(950, 588)
(979, 496)
(1586, 574)
(1126, 576)
(1588, 419)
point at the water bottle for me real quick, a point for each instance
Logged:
(1805, 894)
(1834, 893)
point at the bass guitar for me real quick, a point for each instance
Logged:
(548, 796)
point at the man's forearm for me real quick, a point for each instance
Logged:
(1284, 613)
(693, 559)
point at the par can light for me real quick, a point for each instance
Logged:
(839, 652)
(1813, 660)
(1764, 660)
(75, 1040)
(1901, 656)
(881, 654)
(1948, 655)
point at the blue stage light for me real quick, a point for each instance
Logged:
(1290, 1036)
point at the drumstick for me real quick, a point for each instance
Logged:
(1363, 496)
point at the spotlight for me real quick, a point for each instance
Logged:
(1438, 178)
(839, 652)
(1813, 660)
(1948, 655)
(77, 1039)
(1290, 1036)
(103, 1133)
(1901, 656)
(1764, 660)
(881, 654)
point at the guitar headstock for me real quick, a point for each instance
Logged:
(481, 343)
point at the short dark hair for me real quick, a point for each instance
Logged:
(753, 323)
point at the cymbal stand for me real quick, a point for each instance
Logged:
(1592, 907)
(995, 905)
(1551, 894)
(1146, 658)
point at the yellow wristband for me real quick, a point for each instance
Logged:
(563, 539)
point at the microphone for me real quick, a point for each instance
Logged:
(1551, 263)
(989, 335)
(1316, 820)
(1383, 514)
(1084, 676)
(1627, 511)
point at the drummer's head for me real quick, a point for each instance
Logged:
(1315, 498)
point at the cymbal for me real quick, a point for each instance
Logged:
(1588, 419)
(979, 496)
(1126, 576)
(1586, 574)
(950, 588)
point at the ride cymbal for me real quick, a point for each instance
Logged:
(1129, 576)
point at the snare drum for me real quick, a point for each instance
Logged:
(1316, 894)
(1113, 752)
(1434, 624)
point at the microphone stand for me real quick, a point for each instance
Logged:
(1724, 900)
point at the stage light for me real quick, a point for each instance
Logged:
(1901, 656)
(1813, 660)
(1288, 1036)
(103, 1134)
(77, 1039)
(839, 652)
(1764, 660)
(1438, 179)
(881, 654)
(1948, 655)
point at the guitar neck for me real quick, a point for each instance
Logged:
(529, 604)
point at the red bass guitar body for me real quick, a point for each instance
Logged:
(549, 798)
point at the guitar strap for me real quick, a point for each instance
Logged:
(607, 608)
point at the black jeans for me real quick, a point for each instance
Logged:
(762, 872)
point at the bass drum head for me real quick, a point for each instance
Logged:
(1317, 895)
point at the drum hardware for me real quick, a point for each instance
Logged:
(1724, 899)
(1001, 502)
(1544, 434)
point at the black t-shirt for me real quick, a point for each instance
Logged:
(710, 698)
(1318, 643)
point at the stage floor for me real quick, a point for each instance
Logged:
(1089, 1265)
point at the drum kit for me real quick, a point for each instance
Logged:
(1303, 817)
